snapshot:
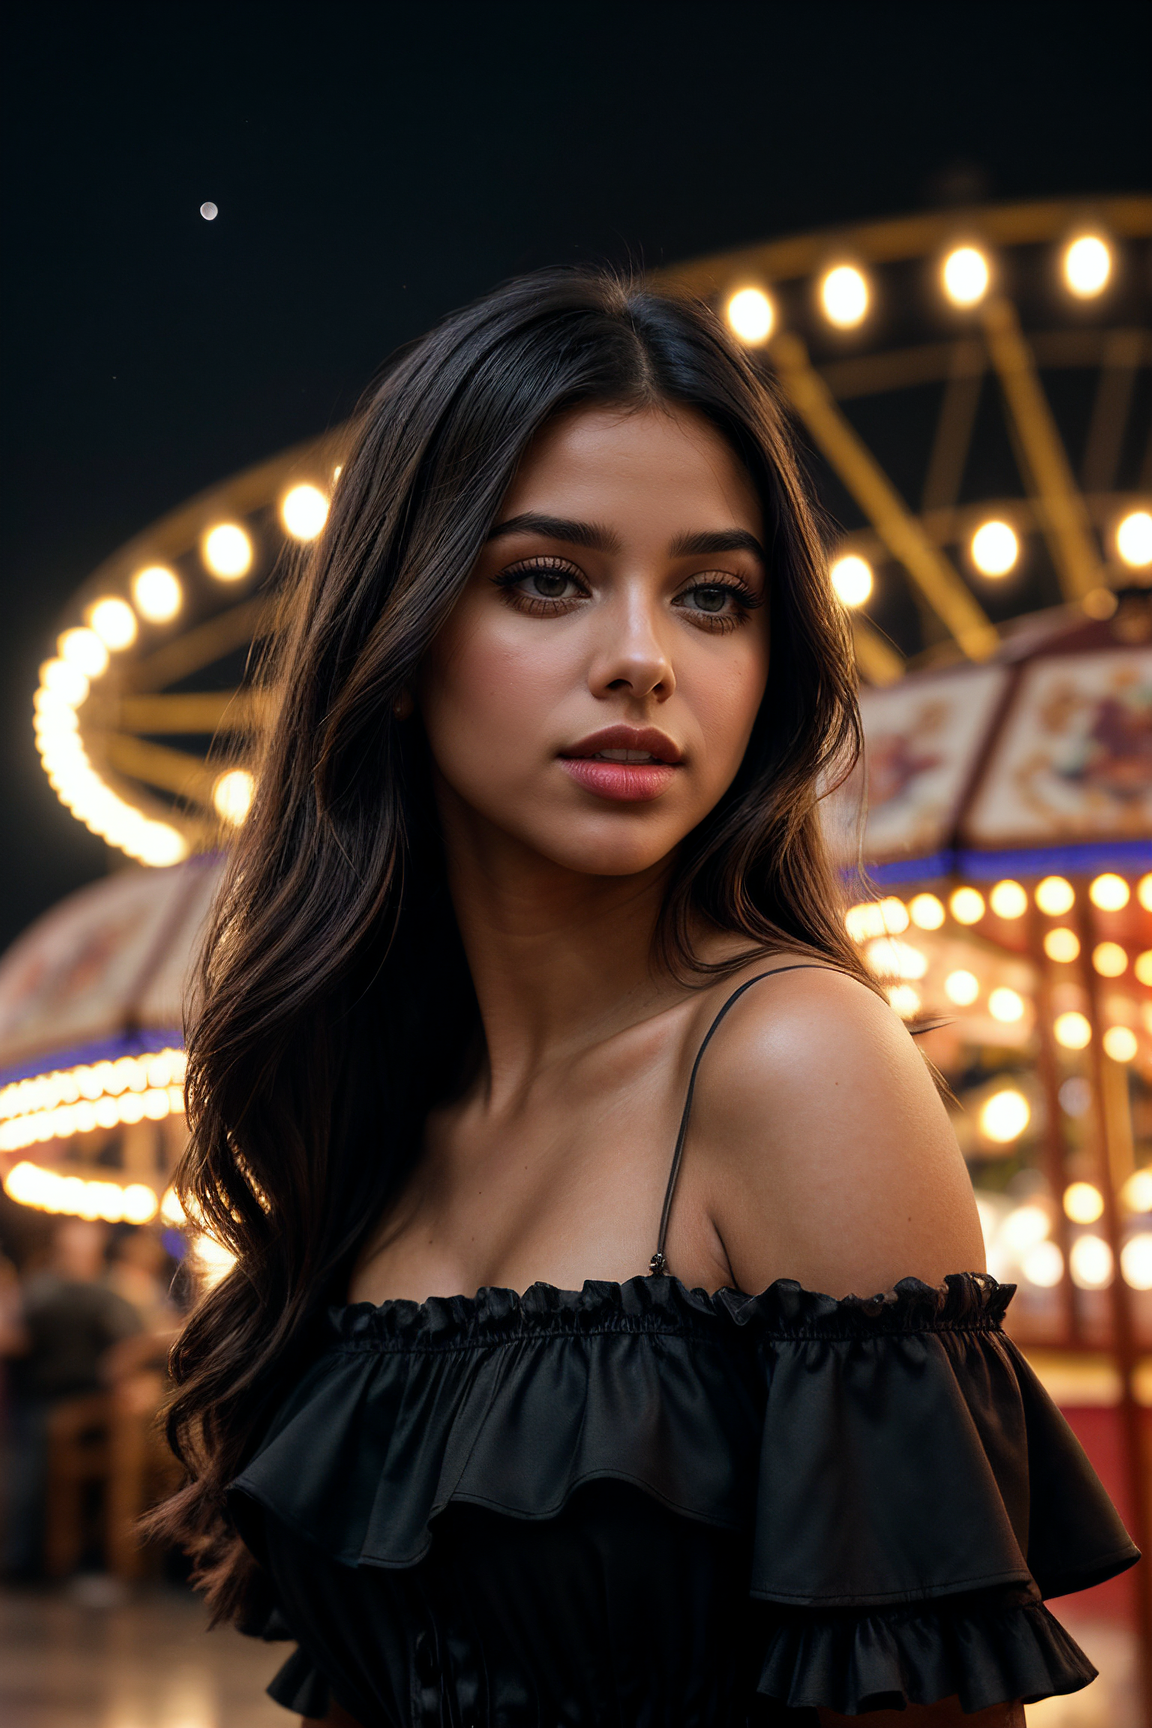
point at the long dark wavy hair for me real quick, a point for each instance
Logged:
(333, 1003)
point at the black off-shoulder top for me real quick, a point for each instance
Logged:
(643, 1506)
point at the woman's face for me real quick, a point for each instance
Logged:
(593, 692)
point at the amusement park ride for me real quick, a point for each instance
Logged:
(975, 391)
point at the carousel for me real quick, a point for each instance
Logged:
(975, 391)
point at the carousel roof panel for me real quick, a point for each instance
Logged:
(104, 969)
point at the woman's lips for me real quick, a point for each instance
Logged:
(626, 782)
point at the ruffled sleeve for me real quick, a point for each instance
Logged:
(298, 1683)
(919, 1496)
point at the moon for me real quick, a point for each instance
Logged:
(209, 212)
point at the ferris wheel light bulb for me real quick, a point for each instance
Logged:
(1087, 266)
(966, 276)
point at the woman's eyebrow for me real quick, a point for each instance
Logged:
(718, 540)
(590, 534)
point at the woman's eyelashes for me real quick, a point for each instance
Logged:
(550, 585)
(542, 585)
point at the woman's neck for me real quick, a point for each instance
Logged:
(560, 960)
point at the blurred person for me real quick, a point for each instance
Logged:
(58, 1343)
(529, 972)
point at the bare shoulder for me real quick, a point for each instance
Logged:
(827, 1151)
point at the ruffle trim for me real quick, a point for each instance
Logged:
(300, 1686)
(965, 1301)
(988, 1652)
(879, 1451)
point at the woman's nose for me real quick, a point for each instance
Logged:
(632, 654)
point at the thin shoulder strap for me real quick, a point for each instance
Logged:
(658, 1262)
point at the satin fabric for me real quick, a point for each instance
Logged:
(642, 1506)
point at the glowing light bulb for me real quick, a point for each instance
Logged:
(1090, 1263)
(1008, 900)
(1143, 967)
(926, 911)
(905, 1000)
(232, 795)
(1109, 959)
(751, 315)
(1136, 1261)
(1005, 1116)
(1024, 1226)
(995, 549)
(852, 579)
(1043, 1265)
(1110, 893)
(1061, 944)
(890, 958)
(227, 551)
(304, 511)
(1134, 539)
(83, 649)
(1055, 896)
(1137, 1191)
(966, 276)
(962, 988)
(966, 905)
(157, 593)
(113, 621)
(1121, 1043)
(1072, 1030)
(844, 296)
(1144, 892)
(1006, 1005)
(1083, 1202)
(887, 917)
(1087, 265)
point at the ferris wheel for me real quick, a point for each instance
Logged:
(975, 388)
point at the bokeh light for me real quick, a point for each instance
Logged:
(1072, 1030)
(1134, 539)
(966, 276)
(304, 511)
(1121, 1043)
(1004, 1116)
(1110, 893)
(1008, 900)
(1055, 896)
(227, 551)
(1043, 1265)
(1061, 944)
(1083, 1202)
(962, 987)
(113, 621)
(852, 579)
(1087, 265)
(844, 297)
(966, 905)
(751, 315)
(1090, 1263)
(232, 795)
(83, 649)
(157, 593)
(995, 549)
(926, 911)
(1136, 1261)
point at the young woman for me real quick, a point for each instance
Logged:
(529, 1041)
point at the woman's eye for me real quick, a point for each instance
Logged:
(719, 605)
(709, 599)
(550, 584)
(539, 585)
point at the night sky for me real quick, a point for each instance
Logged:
(375, 165)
